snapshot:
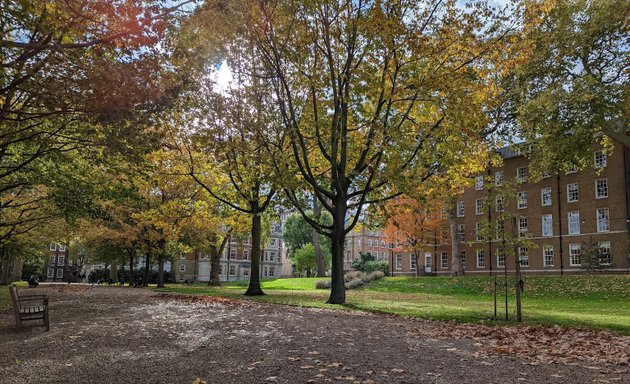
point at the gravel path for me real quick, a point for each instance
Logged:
(125, 335)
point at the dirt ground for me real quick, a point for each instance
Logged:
(126, 335)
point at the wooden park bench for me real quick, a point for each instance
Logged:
(27, 308)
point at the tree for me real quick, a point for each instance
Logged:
(369, 94)
(413, 225)
(296, 233)
(305, 259)
(573, 91)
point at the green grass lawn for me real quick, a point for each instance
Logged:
(5, 299)
(599, 302)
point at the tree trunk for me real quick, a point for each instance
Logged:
(215, 264)
(147, 264)
(160, 279)
(131, 256)
(317, 213)
(254, 288)
(456, 265)
(337, 239)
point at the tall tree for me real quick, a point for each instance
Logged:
(573, 91)
(370, 93)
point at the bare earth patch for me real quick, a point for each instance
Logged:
(126, 335)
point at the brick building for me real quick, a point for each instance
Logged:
(575, 221)
(58, 263)
(235, 261)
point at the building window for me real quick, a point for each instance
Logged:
(521, 174)
(479, 206)
(221, 269)
(398, 261)
(574, 223)
(548, 256)
(53, 247)
(232, 254)
(479, 183)
(573, 193)
(498, 178)
(523, 256)
(600, 159)
(62, 248)
(573, 169)
(52, 260)
(545, 196)
(546, 174)
(522, 226)
(358, 242)
(601, 188)
(246, 254)
(265, 271)
(462, 258)
(444, 259)
(182, 267)
(412, 262)
(60, 273)
(444, 234)
(50, 273)
(460, 209)
(245, 271)
(461, 233)
(522, 200)
(272, 256)
(603, 223)
(272, 271)
(481, 258)
(575, 255)
(272, 242)
(500, 257)
(547, 225)
(232, 270)
(498, 201)
(605, 257)
(382, 243)
(61, 261)
(478, 235)
(500, 229)
(376, 255)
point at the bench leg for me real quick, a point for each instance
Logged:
(46, 322)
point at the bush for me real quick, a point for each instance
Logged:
(352, 275)
(355, 283)
(376, 265)
(374, 276)
(358, 263)
(322, 284)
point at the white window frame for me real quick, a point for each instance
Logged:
(461, 233)
(548, 256)
(574, 222)
(523, 256)
(61, 261)
(547, 225)
(573, 193)
(501, 258)
(376, 255)
(232, 255)
(412, 262)
(521, 174)
(62, 248)
(53, 246)
(479, 206)
(59, 273)
(182, 267)
(599, 159)
(575, 255)
(232, 270)
(546, 174)
(50, 273)
(272, 271)
(478, 236)
(604, 245)
(498, 203)
(461, 209)
(522, 226)
(398, 262)
(52, 260)
(481, 258)
(245, 271)
(444, 259)
(479, 183)
(498, 178)
(245, 254)
(603, 219)
(601, 185)
(521, 200)
(546, 197)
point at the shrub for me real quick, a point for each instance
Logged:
(355, 283)
(358, 263)
(376, 265)
(322, 284)
(352, 275)
(374, 276)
